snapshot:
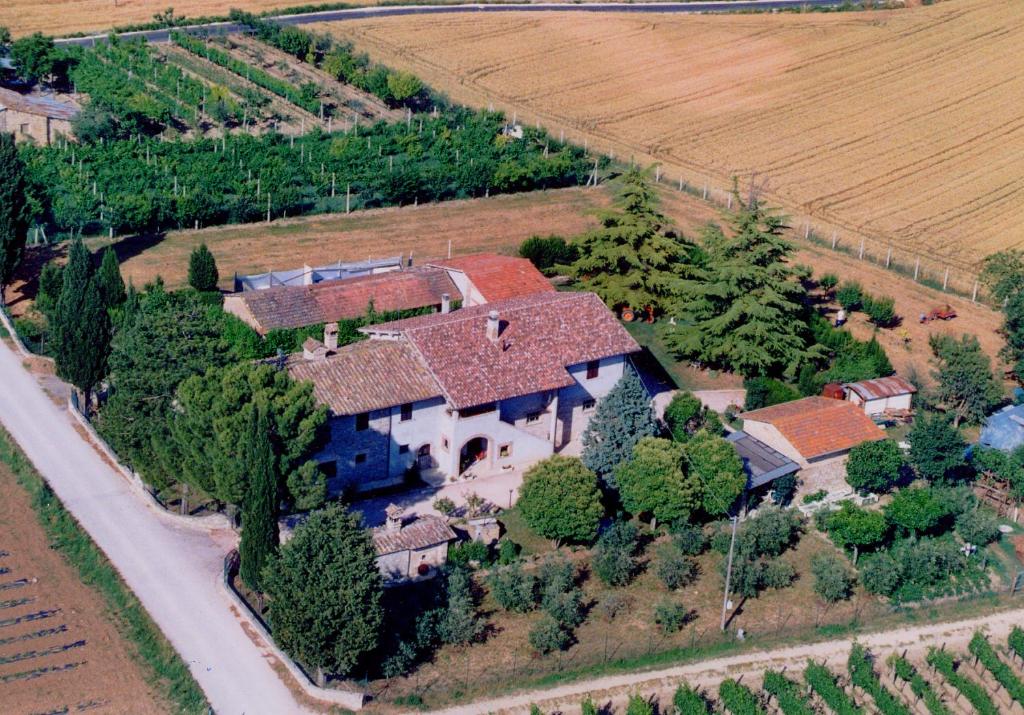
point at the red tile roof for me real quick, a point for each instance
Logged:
(817, 426)
(420, 533)
(365, 376)
(881, 387)
(329, 301)
(541, 335)
(499, 277)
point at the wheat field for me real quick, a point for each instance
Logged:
(902, 126)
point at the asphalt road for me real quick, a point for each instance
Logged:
(397, 10)
(173, 570)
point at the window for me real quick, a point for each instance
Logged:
(593, 367)
(532, 417)
(403, 449)
(406, 412)
(444, 443)
(588, 405)
(362, 421)
(505, 450)
(425, 449)
(23, 129)
(361, 458)
(330, 469)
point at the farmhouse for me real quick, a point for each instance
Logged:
(884, 394)
(473, 280)
(411, 549)
(474, 392)
(812, 430)
(37, 119)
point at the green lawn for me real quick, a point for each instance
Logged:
(519, 533)
(684, 375)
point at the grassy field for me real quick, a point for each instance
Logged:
(890, 125)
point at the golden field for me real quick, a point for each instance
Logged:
(902, 126)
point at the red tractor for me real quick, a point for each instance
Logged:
(939, 312)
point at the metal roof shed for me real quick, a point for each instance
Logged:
(761, 463)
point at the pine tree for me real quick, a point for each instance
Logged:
(82, 325)
(202, 270)
(744, 308)
(621, 420)
(259, 513)
(13, 210)
(109, 280)
(633, 260)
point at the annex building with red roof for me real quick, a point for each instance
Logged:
(480, 390)
(812, 430)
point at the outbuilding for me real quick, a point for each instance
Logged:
(411, 549)
(39, 119)
(883, 394)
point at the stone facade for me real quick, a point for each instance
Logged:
(33, 127)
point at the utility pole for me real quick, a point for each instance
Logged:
(728, 573)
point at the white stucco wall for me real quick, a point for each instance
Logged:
(771, 436)
(572, 417)
(877, 407)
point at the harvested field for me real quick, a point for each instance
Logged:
(58, 648)
(896, 126)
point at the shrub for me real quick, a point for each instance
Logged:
(983, 651)
(978, 526)
(508, 552)
(614, 559)
(670, 616)
(566, 607)
(874, 466)
(547, 635)
(444, 506)
(685, 415)
(610, 606)
(673, 567)
(828, 281)
(862, 674)
(689, 539)
(587, 707)
(815, 496)
(765, 392)
(514, 590)
(880, 310)
(918, 685)
(833, 582)
(850, 295)
(469, 551)
(944, 663)
(824, 684)
(690, 702)
(202, 270)
(783, 489)
(787, 694)
(546, 251)
(1016, 641)
(739, 699)
(638, 705)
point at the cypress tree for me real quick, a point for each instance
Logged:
(259, 512)
(82, 325)
(202, 270)
(13, 210)
(109, 280)
(621, 420)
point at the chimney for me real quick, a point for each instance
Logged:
(394, 517)
(446, 303)
(331, 336)
(493, 326)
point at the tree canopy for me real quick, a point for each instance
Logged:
(653, 482)
(716, 466)
(874, 466)
(34, 57)
(109, 281)
(966, 385)
(259, 516)
(621, 420)
(936, 448)
(559, 499)
(633, 259)
(685, 415)
(82, 324)
(743, 307)
(918, 510)
(856, 527)
(325, 592)
(14, 215)
(202, 270)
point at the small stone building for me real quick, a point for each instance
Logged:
(411, 549)
(38, 119)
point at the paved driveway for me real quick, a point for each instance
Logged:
(173, 570)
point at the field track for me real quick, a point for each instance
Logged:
(899, 126)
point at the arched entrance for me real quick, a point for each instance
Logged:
(473, 452)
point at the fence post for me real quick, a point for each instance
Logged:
(974, 293)
(861, 256)
(917, 266)
(835, 236)
(705, 191)
(807, 230)
(888, 257)
(945, 279)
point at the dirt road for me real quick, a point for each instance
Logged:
(615, 688)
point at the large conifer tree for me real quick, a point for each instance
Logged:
(259, 513)
(82, 324)
(621, 420)
(109, 280)
(743, 309)
(202, 270)
(13, 209)
(633, 260)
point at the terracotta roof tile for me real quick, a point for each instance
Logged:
(540, 337)
(421, 533)
(329, 301)
(499, 277)
(817, 426)
(364, 376)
